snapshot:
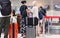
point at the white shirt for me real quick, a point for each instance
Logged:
(35, 11)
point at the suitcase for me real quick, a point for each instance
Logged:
(31, 27)
(31, 32)
(33, 21)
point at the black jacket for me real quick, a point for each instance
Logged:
(23, 10)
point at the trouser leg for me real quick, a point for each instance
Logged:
(18, 21)
(6, 26)
(0, 30)
(1, 24)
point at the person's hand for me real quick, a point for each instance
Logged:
(28, 10)
(43, 16)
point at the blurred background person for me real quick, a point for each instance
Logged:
(23, 12)
(5, 14)
(18, 14)
(42, 14)
(34, 10)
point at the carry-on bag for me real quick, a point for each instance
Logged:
(31, 27)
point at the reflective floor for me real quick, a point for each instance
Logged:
(41, 36)
(49, 36)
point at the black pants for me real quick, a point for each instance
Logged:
(4, 21)
(23, 25)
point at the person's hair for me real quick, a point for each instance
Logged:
(34, 3)
(23, 2)
(41, 7)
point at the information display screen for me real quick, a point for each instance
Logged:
(57, 6)
(46, 7)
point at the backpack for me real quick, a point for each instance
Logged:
(44, 12)
(40, 14)
(6, 7)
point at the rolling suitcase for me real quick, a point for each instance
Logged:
(31, 27)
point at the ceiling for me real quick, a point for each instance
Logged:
(41, 2)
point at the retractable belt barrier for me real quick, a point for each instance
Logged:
(53, 25)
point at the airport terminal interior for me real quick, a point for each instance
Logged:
(47, 27)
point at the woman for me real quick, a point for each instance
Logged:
(42, 14)
(23, 12)
(35, 14)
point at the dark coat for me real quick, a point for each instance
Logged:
(23, 10)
